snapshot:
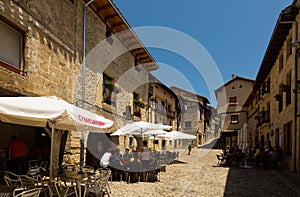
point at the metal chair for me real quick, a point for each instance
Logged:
(12, 179)
(70, 167)
(28, 182)
(35, 192)
(59, 189)
(87, 169)
(99, 184)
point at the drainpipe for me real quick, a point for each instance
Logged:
(83, 80)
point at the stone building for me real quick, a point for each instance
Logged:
(273, 105)
(195, 114)
(81, 52)
(162, 109)
(231, 97)
(214, 127)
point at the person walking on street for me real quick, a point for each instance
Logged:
(189, 148)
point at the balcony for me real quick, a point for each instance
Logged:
(262, 118)
(160, 108)
(170, 114)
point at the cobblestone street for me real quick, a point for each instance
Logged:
(198, 175)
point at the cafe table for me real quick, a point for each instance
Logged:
(7, 191)
(77, 177)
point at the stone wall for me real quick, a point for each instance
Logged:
(53, 40)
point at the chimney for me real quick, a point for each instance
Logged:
(232, 76)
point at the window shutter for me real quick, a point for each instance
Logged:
(10, 46)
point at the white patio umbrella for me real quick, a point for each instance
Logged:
(154, 133)
(57, 113)
(177, 135)
(139, 128)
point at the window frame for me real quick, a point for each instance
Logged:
(188, 124)
(234, 119)
(234, 102)
(21, 44)
(106, 88)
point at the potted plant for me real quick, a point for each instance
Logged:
(140, 102)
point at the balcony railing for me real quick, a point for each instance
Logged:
(160, 108)
(170, 114)
(263, 117)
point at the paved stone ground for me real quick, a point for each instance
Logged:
(198, 175)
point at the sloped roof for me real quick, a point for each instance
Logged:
(278, 38)
(116, 23)
(189, 95)
(232, 80)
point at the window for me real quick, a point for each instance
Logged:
(131, 141)
(136, 105)
(288, 95)
(234, 119)
(265, 87)
(108, 87)
(11, 47)
(188, 124)
(289, 48)
(280, 62)
(279, 99)
(232, 100)
(287, 146)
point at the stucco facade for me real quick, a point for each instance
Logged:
(231, 97)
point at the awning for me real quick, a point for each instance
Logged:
(59, 114)
(39, 111)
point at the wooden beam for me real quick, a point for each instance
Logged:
(116, 25)
(110, 16)
(103, 8)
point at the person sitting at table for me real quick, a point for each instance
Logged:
(126, 157)
(115, 157)
(144, 157)
(116, 164)
(133, 167)
(104, 161)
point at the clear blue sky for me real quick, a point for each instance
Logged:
(235, 33)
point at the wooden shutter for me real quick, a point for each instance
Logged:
(10, 45)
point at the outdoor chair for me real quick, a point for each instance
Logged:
(221, 159)
(59, 189)
(70, 167)
(12, 179)
(99, 185)
(87, 169)
(35, 192)
(29, 182)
